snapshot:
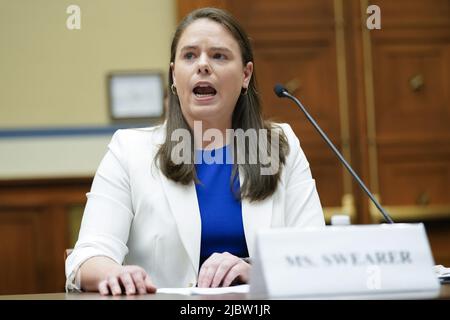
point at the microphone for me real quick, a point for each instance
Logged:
(282, 92)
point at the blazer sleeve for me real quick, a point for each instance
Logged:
(108, 213)
(302, 202)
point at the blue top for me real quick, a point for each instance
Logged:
(220, 210)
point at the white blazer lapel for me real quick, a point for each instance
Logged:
(184, 206)
(255, 215)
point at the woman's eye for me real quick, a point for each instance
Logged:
(219, 56)
(189, 55)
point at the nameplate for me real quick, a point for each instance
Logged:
(343, 260)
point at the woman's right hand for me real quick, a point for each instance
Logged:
(127, 280)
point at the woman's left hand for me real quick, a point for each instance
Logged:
(221, 269)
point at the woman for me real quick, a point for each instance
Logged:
(152, 220)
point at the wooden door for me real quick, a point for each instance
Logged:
(409, 131)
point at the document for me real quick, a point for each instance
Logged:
(244, 288)
(443, 273)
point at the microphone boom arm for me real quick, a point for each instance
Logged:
(282, 92)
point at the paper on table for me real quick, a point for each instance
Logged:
(442, 273)
(441, 270)
(244, 288)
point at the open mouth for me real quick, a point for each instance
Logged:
(202, 91)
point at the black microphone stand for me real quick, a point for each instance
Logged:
(281, 92)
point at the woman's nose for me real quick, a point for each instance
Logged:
(203, 65)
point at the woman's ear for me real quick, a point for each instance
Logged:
(172, 68)
(248, 71)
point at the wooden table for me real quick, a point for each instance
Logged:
(443, 294)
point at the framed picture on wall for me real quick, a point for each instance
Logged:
(135, 95)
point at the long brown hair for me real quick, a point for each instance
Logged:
(246, 115)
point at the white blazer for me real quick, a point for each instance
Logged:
(136, 215)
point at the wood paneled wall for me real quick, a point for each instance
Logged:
(34, 232)
(411, 78)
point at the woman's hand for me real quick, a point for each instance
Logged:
(126, 279)
(222, 269)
